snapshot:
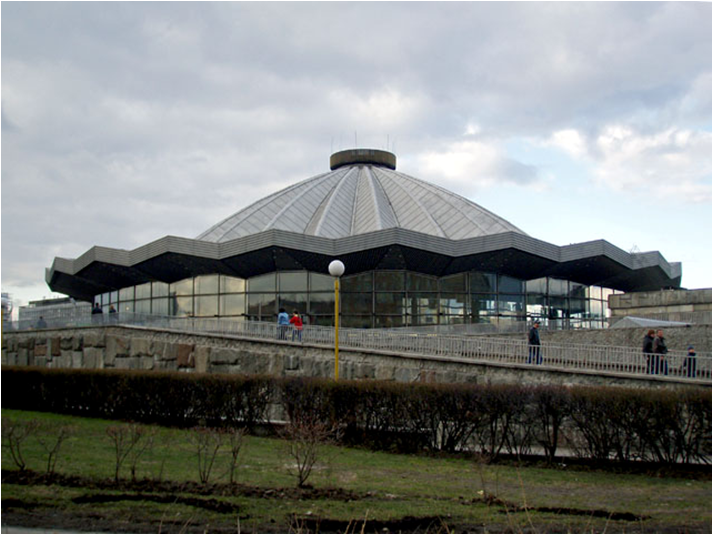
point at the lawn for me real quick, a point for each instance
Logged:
(349, 491)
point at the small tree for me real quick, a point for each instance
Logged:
(236, 438)
(14, 433)
(51, 440)
(303, 440)
(125, 439)
(207, 442)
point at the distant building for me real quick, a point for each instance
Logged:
(415, 254)
(54, 311)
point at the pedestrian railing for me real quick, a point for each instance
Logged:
(574, 357)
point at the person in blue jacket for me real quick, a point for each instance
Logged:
(533, 340)
(283, 323)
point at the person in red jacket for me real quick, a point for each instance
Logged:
(296, 322)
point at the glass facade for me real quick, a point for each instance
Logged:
(373, 299)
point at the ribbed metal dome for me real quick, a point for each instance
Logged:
(362, 194)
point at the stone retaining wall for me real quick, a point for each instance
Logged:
(141, 348)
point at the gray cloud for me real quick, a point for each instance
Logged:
(124, 122)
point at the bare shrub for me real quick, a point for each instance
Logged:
(303, 440)
(51, 439)
(236, 438)
(207, 442)
(127, 438)
(14, 434)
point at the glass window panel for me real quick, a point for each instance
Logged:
(262, 305)
(104, 299)
(206, 305)
(159, 307)
(293, 281)
(558, 287)
(558, 307)
(327, 320)
(453, 304)
(453, 283)
(231, 285)
(510, 285)
(390, 303)
(594, 292)
(596, 309)
(421, 283)
(511, 304)
(606, 292)
(577, 290)
(127, 306)
(355, 322)
(114, 297)
(483, 303)
(262, 283)
(294, 301)
(422, 303)
(184, 287)
(143, 291)
(206, 284)
(482, 282)
(182, 306)
(159, 289)
(143, 306)
(578, 307)
(323, 303)
(232, 304)
(355, 303)
(537, 286)
(357, 283)
(322, 283)
(389, 281)
(424, 319)
(126, 294)
(452, 320)
(388, 322)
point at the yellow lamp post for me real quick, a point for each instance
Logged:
(336, 270)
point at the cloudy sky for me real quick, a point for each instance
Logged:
(126, 122)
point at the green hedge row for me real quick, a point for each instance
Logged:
(589, 422)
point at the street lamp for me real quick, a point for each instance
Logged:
(336, 270)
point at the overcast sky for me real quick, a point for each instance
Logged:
(126, 122)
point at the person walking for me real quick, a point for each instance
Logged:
(296, 322)
(648, 350)
(660, 350)
(533, 340)
(689, 363)
(283, 322)
(97, 312)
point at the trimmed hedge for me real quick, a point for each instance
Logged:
(590, 422)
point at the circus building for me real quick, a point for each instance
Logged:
(415, 254)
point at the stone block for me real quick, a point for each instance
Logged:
(40, 350)
(384, 373)
(140, 347)
(158, 348)
(93, 358)
(127, 363)
(291, 362)
(77, 359)
(406, 375)
(77, 343)
(6, 358)
(40, 361)
(95, 339)
(66, 342)
(23, 356)
(55, 346)
(184, 356)
(201, 356)
(170, 351)
(146, 363)
(224, 355)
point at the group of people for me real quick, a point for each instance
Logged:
(284, 322)
(655, 350)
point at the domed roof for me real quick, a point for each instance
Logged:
(362, 193)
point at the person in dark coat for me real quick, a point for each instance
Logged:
(648, 350)
(689, 364)
(533, 340)
(660, 350)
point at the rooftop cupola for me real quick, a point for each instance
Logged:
(362, 156)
